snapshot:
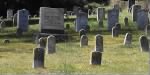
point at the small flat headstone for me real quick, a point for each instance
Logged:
(51, 44)
(83, 41)
(144, 44)
(99, 43)
(96, 58)
(38, 58)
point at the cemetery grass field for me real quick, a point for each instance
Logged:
(16, 57)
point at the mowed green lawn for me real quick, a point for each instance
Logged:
(17, 56)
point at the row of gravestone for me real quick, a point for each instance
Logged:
(96, 55)
(50, 45)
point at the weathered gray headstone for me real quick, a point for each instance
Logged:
(147, 31)
(51, 44)
(83, 41)
(42, 42)
(15, 19)
(142, 19)
(144, 44)
(99, 43)
(82, 32)
(130, 3)
(22, 20)
(128, 39)
(51, 20)
(100, 14)
(96, 58)
(115, 32)
(38, 58)
(113, 18)
(126, 22)
(135, 9)
(9, 14)
(81, 21)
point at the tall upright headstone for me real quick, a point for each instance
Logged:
(51, 20)
(9, 14)
(144, 44)
(135, 9)
(142, 19)
(113, 18)
(38, 58)
(22, 20)
(99, 43)
(51, 44)
(130, 3)
(81, 21)
(100, 13)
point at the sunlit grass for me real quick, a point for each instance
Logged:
(17, 56)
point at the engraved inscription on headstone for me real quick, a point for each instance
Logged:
(51, 20)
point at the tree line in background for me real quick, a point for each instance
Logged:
(33, 5)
